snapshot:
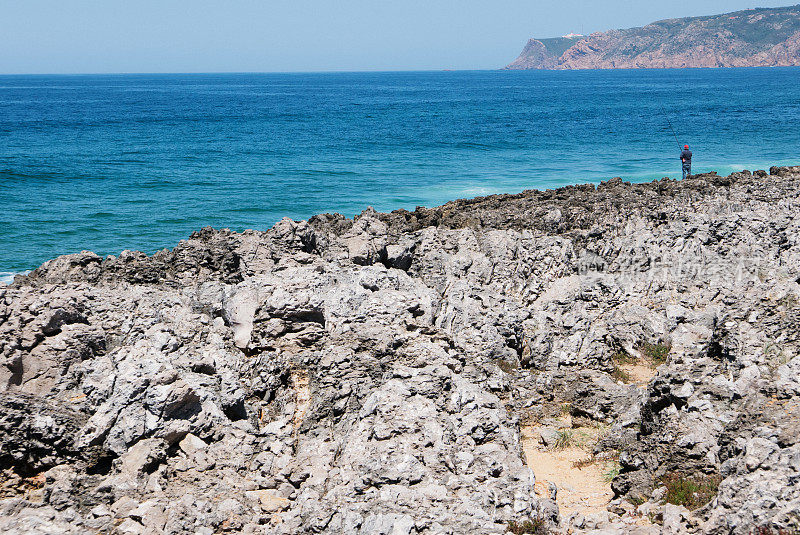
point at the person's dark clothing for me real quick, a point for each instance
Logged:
(686, 158)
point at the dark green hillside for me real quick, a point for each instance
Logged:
(558, 45)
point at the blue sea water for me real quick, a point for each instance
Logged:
(117, 162)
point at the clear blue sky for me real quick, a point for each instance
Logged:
(94, 36)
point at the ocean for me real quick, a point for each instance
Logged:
(113, 162)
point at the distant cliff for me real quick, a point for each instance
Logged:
(751, 38)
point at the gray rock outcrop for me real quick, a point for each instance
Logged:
(369, 375)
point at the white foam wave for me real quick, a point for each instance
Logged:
(7, 277)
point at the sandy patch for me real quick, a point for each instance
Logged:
(639, 374)
(583, 489)
(302, 396)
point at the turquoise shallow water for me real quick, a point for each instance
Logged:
(108, 163)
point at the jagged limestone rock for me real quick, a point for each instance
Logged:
(368, 376)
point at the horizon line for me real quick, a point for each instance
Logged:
(332, 71)
(379, 71)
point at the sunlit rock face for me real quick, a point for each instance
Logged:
(370, 375)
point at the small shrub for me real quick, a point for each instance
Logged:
(535, 526)
(603, 431)
(637, 500)
(690, 491)
(657, 353)
(620, 375)
(611, 472)
(622, 357)
(506, 366)
(564, 440)
(566, 409)
(769, 530)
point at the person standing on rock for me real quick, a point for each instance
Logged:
(686, 158)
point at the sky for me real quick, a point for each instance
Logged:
(112, 36)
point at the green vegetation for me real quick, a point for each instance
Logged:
(602, 432)
(619, 359)
(611, 466)
(776, 26)
(622, 357)
(637, 500)
(566, 409)
(690, 491)
(535, 526)
(611, 471)
(558, 45)
(656, 353)
(564, 440)
(620, 375)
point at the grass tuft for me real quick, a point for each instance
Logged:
(637, 500)
(656, 353)
(564, 440)
(619, 359)
(622, 357)
(690, 491)
(611, 471)
(619, 374)
(611, 458)
(535, 526)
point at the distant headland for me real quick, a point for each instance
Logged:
(764, 37)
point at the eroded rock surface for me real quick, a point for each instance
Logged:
(369, 375)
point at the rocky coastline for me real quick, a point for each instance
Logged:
(387, 374)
